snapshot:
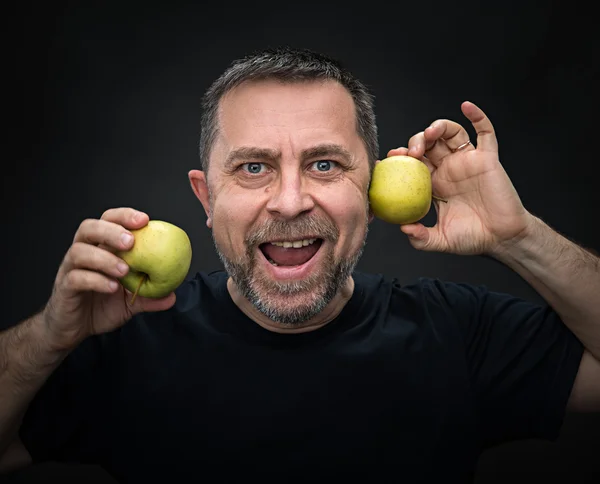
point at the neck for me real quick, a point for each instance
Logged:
(329, 313)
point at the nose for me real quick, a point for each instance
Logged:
(289, 197)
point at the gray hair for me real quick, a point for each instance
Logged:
(287, 65)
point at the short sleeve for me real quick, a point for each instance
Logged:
(54, 425)
(522, 360)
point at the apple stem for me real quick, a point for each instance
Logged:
(138, 288)
(439, 199)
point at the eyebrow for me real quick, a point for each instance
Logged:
(249, 153)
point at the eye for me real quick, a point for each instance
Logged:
(253, 168)
(324, 165)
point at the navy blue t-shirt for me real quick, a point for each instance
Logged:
(408, 384)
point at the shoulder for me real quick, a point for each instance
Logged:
(203, 287)
(424, 289)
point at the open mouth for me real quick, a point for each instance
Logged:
(290, 253)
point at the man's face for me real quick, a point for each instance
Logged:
(288, 201)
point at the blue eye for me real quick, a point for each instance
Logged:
(324, 165)
(253, 168)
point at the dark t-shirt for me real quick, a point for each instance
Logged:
(408, 384)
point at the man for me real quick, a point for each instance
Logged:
(291, 366)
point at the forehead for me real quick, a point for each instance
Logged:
(259, 112)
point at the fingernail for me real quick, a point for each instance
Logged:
(126, 238)
(122, 267)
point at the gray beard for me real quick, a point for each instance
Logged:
(265, 294)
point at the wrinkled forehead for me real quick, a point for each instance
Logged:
(293, 106)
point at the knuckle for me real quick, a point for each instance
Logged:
(86, 228)
(87, 223)
(75, 253)
(72, 279)
(118, 214)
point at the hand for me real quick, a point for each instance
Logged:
(86, 298)
(482, 210)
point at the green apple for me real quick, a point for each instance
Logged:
(158, 261)
(400, 191)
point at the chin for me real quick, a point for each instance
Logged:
(291, 311)
(292, 294)
(290, 302)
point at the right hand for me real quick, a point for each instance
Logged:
(87, 298)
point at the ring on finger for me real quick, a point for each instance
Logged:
(464, 145)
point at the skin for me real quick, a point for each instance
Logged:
(484, 215)
(289, 120)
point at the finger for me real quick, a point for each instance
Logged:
(402, 151)
(428, 163)
(148, 305)
(102, 232)
(486, 136)
(80, 280)
(422, 237)
(126, 216)
(439, 149)
(452, 134)
(90, 257)
(418, 145)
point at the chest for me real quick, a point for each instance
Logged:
(362, 405)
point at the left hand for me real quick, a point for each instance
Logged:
(483, 210)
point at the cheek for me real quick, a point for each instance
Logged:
(350, 213)
(232, 216)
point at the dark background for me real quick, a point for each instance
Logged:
(102, 110)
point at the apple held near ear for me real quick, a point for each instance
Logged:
(158, 261)
(400, 191)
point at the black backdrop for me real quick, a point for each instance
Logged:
(103, 111)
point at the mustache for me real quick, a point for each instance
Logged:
(275, 229)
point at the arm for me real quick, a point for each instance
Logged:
(86, 300)
(568, 278)
(483, 215)
(26, 361)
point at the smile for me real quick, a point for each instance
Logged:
(286, 260)
(296, 244)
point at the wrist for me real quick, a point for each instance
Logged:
(29, 354)
(527, 242)
(57, 340)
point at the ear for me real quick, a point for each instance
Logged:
(371, 215)
(199, 186)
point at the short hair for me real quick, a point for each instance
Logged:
(287, 65)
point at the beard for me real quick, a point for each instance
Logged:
(295, 302)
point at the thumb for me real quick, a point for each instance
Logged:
(421, 237)
(149, 305)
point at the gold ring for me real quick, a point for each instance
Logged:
(464, 145)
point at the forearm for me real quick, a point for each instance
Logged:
(26, 362)
(566, 275)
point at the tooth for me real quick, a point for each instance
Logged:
(288, 244)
